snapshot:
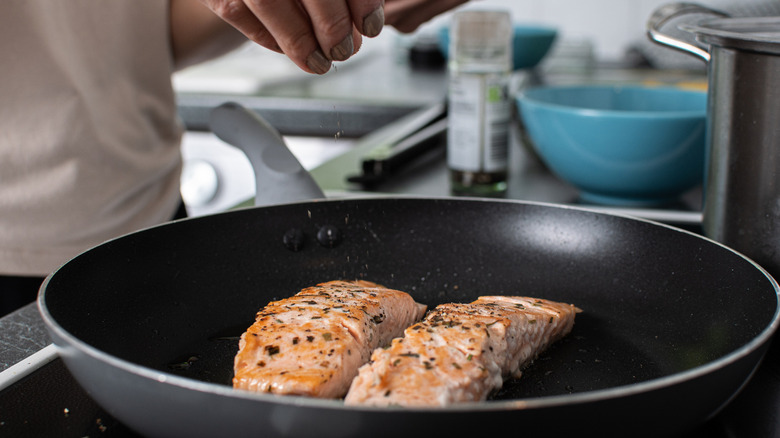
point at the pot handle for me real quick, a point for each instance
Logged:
(279, 176)
(672, 10)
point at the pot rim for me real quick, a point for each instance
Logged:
(761, 34)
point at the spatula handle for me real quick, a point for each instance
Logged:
(279, 176)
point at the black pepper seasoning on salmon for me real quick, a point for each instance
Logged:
(333, 326)
(482, 342)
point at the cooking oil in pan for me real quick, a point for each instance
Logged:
(208, 359)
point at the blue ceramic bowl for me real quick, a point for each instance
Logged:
(530, 44)
(620, 145)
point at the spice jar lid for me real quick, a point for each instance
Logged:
(481, 39)
(760, 34)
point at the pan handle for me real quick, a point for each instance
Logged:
(665, 13)
(279, 176)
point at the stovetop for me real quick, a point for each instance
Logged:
(49, 402)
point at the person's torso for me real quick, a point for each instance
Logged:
(88, 130)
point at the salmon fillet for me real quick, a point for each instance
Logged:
(461, 352)
(314, 342)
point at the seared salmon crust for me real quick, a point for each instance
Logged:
(313, 343)
(461, 352)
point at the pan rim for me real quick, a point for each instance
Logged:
(544, 402)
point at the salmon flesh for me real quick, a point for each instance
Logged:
(461, 352)
(313, 343)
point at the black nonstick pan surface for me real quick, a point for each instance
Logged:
(672, 326)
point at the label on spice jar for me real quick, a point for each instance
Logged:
(478, 129)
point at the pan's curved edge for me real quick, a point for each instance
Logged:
(71, 343)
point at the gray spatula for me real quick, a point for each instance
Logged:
(279, 176)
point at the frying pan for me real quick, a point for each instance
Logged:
(673, 325)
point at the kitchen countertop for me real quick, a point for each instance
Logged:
(22, 335)
(353, 99)
(528, 180)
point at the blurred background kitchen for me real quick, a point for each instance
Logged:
(325, 117)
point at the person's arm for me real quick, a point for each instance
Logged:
(197, 34)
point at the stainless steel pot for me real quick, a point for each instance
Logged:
(742, 188)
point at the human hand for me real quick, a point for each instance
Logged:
(408, 15)
(312, 33)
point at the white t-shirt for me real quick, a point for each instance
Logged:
(89, 136)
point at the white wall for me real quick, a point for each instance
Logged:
(610, 25)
